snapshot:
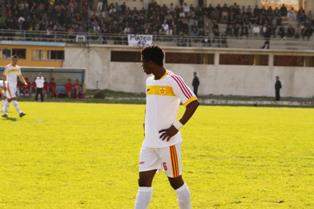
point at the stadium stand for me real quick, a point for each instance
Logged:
(212, 25)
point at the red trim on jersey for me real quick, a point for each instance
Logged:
(182, 86)
(185, 86)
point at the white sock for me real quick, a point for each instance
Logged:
(144, 195)
(6, 107)
(3, 105)
(184, 197)
(16, 105)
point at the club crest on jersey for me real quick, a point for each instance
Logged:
(163, 91)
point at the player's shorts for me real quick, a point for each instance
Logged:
(166, 158)
(11, 91)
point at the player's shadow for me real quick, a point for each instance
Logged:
(11, 119)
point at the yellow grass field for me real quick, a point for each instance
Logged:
(73, 156)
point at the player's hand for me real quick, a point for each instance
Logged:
(166, 134)
(25, 84)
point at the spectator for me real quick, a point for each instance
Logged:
(77, 89)
(68, 88)
(267, 35)
(278, 86)
(66, 16)
(206, 42)
(195, 83)
(290, 31)
(53, 88)
(33, 86)
(283, 10)
(46, 88)
(40, 80)
(256, 30)
(282, 32)
(27, 88)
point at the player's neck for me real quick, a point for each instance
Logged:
(160, 73)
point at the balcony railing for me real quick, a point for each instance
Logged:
(122, 39)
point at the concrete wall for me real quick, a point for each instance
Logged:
(215, 79)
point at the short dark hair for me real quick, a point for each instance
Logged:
(153, 53)
(15, 57)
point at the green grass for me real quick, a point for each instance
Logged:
(72, 156)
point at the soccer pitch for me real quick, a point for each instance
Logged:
(72, 156)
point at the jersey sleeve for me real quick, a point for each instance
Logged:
(181, 90)
(5, 71)
(19, 71)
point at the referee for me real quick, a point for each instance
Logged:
(40, 80)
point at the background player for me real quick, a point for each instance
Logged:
(11, 72)
(2, 96)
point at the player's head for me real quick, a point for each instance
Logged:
(152, 58)
(14, 59)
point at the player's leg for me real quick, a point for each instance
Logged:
(36, 95)
(7, 102)
(171, 157)
(12, 90)
(4, 103)
(149, 163)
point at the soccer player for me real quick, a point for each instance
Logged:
(161, 148)
(2, 95)
(10, 74)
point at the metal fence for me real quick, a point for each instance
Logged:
(122, 39)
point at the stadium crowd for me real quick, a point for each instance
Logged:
(231, 21)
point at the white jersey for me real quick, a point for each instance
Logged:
(40, 81)
(163, 98)
(11, 73)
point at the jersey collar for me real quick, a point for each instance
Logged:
(164, 75)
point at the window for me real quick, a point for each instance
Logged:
(56, 55)
(48, 55)
(20, 53)
(236, 59)
(288, 61)
(189, 58)
(122, 56)
(309, 61)
(261, 60)
(37, 55)
(7, 53)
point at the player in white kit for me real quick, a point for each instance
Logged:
(161, 148)
(2, 96)
(10, 75)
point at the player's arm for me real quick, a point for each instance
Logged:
(189, 112)
(190, 109)
(22, 79)
(4, 79)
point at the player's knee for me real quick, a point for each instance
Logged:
(176, 182)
